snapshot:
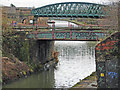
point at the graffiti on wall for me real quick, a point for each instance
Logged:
(107, 52)
(106, 46)
(112, 75)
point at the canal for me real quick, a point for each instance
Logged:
(76, 61)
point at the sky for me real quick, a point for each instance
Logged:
(39, 3)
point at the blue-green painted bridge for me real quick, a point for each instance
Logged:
(68, 9)
(71, 9)
(67, 35)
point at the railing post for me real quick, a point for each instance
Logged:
(89, 34)
(54, 36)
(53, 27)
(90, 31)
(44, 36)
(71, 34)
(36, 34)
(68, 24)
(90, 26)
(85, 37)
(75, 36)
(65, 36)
(96, 38)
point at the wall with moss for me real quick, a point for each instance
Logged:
(29, 51)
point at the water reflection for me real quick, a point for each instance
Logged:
(40, 80)
(76, 61)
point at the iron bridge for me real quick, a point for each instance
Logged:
(71, 9)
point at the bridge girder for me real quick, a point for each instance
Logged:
(71, 9)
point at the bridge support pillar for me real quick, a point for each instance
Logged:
(45, 50)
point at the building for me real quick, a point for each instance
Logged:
(22, 15)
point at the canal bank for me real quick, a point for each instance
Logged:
(76, 61)
(14, 69)
(88, 82)
(23, 57)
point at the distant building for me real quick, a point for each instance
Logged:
(17, 13)
(22, 15)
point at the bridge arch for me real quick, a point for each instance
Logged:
(71, 9)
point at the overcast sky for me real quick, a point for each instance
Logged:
(39, 3)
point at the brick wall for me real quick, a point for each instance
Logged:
(107, 61)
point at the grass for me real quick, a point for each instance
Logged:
(91, 77)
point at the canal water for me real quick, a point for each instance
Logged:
(76, 61)
(62, 24)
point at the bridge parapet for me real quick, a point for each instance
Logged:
(67, 35)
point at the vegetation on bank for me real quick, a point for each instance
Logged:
(13, 69)
(18, 60)
(18, 54)
(19, 57)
